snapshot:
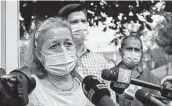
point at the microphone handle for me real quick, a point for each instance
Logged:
(145, 84)
(156, 101)
(160, 97)
(152, 86)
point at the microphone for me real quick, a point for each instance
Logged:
(159, 97)
(114, 76)
(147, 98)
(96, 91)
(25, 84)
(120, 80)
(25, 72)
(118, 87)
(15, 87)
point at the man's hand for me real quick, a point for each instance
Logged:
(166, 82)
(165, 79)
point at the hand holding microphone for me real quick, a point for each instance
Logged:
(166, 82)
(96, 91)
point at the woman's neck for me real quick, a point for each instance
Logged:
(65, 83)
(59, 79)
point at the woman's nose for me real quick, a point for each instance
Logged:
(63, 49)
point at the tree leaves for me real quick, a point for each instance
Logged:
(164, 38)
(122, 12)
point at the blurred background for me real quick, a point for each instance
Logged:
(109, 22)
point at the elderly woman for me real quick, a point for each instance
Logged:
(53, 62)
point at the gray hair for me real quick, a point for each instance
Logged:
(36, 40)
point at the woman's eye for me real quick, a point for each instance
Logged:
(68, 44)
(53, 46)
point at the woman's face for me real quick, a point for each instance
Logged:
(57, 52)
(57, 41)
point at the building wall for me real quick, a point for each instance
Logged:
(9, 35)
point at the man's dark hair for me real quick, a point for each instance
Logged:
(131, 36)
(66, 10)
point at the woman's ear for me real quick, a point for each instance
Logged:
(38, 54)
(121, 52)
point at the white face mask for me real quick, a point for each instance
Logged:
(79, 32)
(131, 59)
(60, 64)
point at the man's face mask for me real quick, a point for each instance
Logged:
(60, 64)
(79, 25)
(131, 58)
(79, 32)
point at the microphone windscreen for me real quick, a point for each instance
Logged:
(106, 74)
(94, 88)
(140, 95)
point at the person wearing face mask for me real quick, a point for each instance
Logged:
(89, 63)
(131, 54)
(52, 62)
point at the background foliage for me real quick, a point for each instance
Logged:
(151, 20)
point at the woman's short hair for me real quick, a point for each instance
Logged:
(36, 42)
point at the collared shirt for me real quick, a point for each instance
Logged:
(90, 63)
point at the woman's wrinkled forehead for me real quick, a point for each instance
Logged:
(54, 34)
(58, 34)
(47, 25)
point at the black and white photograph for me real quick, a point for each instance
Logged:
(86, 53)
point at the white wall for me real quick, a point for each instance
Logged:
(2, 32)
(12, 35)
(9, 30)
